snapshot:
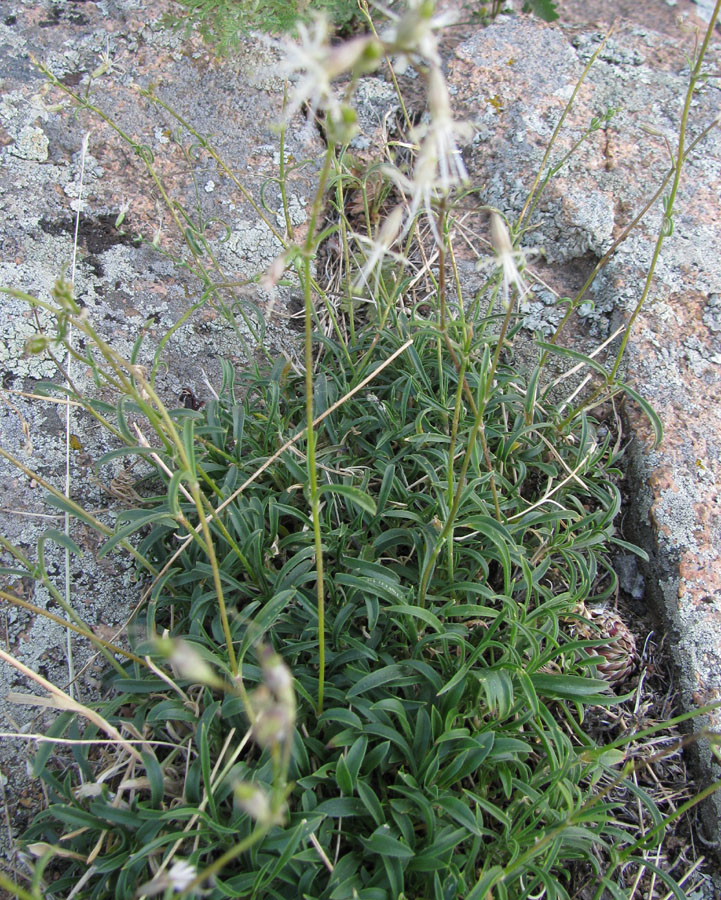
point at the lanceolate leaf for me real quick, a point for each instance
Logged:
(356, 496)
(569, 687)
(650, 412)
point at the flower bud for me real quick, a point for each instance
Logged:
(37, 344)
(254, 801)
(341, 124)
(63, 295)
(501, 241)
(277, 675)
(186, 661)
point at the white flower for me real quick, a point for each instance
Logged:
(507, 258)
(439, 165)
(308, 59)
(380, 247)
(412, 33)
(181, 875)
(317, 64)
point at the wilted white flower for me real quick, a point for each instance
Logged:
(274, 272)
(89, 789)
(439, 165)
(124, 207)
(178, 878)
(276, 674)
(273, 718)
(158, 233)
(181, 875)
(411, 33)
(41, 848)
(187, 662)
(317, 63)
(440, 138)
(380, 247)
(507, 258)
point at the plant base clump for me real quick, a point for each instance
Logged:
(452, 743)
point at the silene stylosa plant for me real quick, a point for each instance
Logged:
(361, 666)
(437, 170)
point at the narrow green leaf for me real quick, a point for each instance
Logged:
(59, 537)
(343, 777)
(386, 486)
(376, 679)
(373, 586)
(484, 884)
(670, 882)
(569, 687)
(63, 505)
(45, 750)
(355, 495)
(632, 548)
(377, 756)
(649, 411)
(370, 801)
(189, 444)
(460, 813)
(174, 491)
(155, 778)
(424, 615)
(341, 716)
(498, 687)
(384, 844)
(133, 451)
(290, 842)
(574, 355)
(154, 518)
(340, 807)
(354, 757)
(266, 618)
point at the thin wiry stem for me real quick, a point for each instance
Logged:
(667, 226)
(309, 249)
(534, 194)
(476, 431)
(68, 416)
(610, 385)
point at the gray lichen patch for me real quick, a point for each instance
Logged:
(579, 223)
(31, 143)
(542, 311)
(23, 323)
(712, 313)
(375, 101)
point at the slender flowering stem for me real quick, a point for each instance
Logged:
(610, 384)
(534, 194)
(667, 226)
(308, 251)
